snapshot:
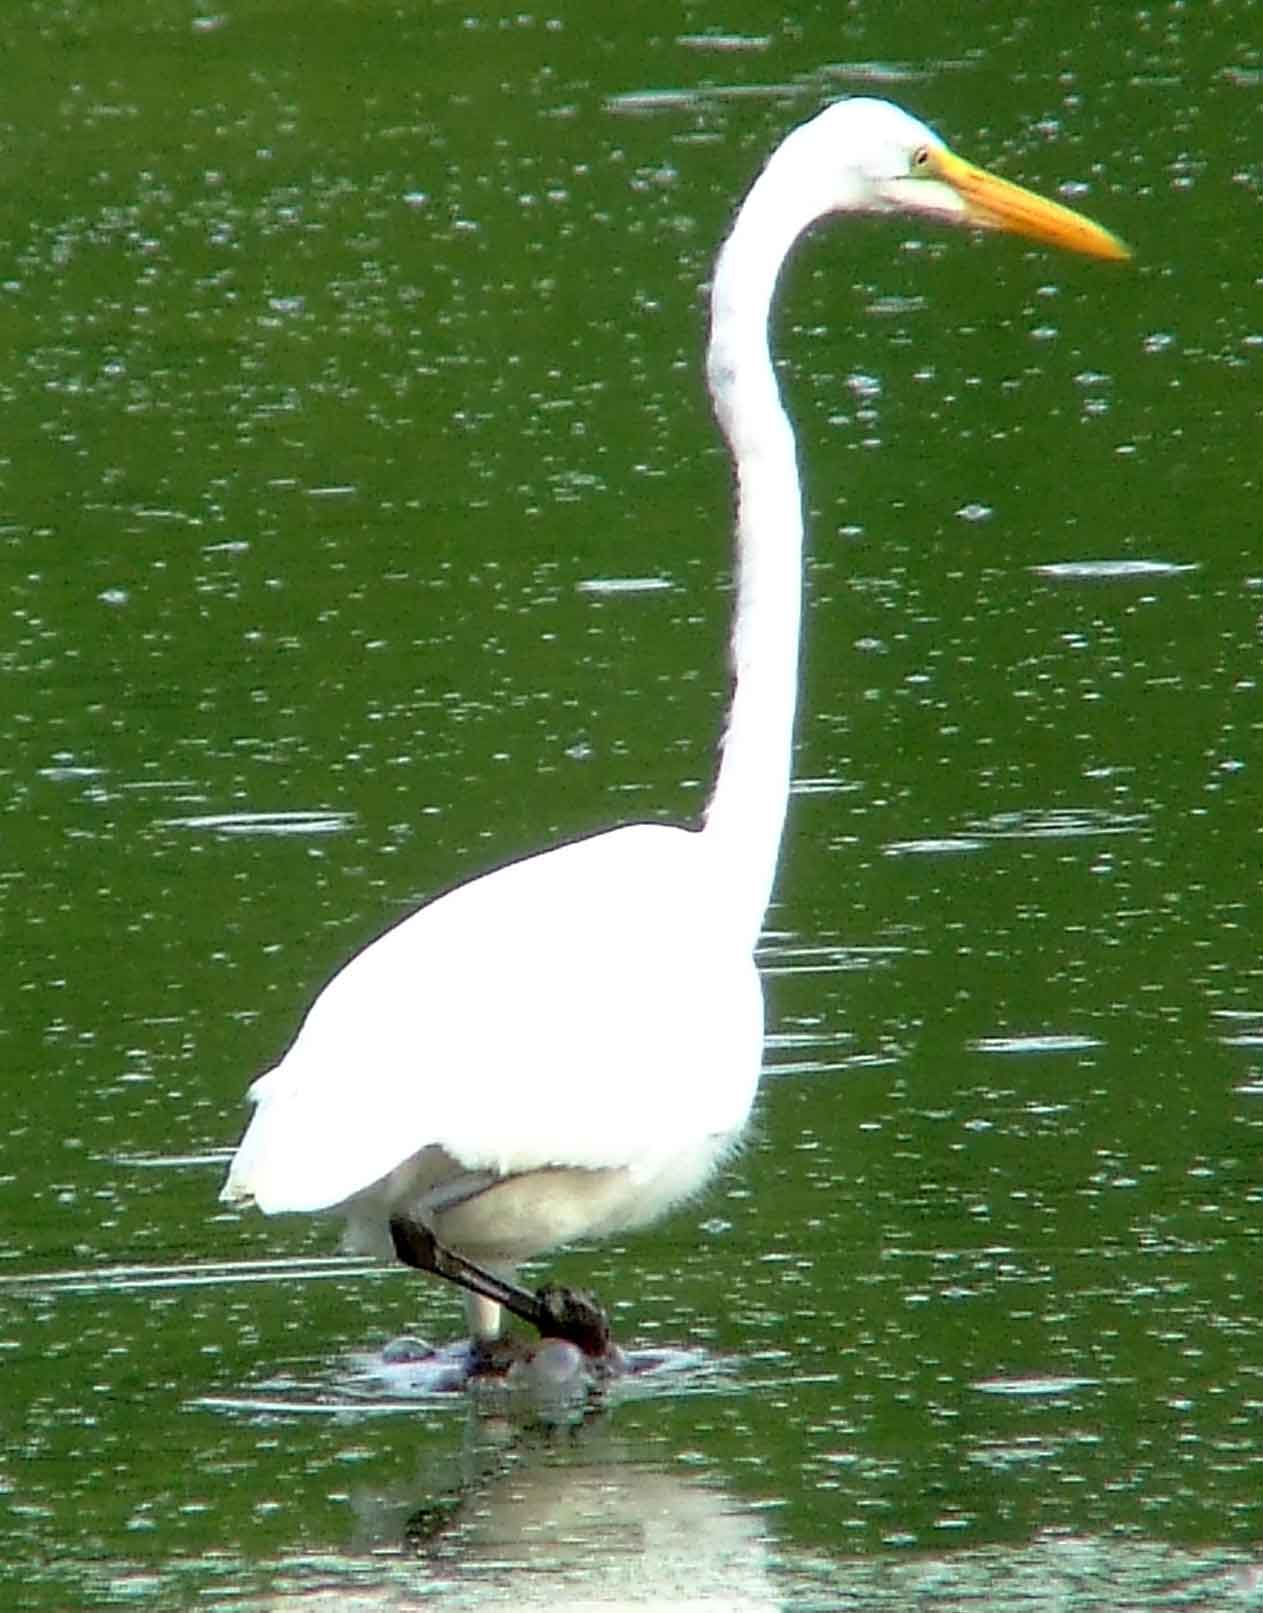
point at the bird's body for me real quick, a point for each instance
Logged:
(572, 1000)
(569, 1045)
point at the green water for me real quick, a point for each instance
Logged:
(347, 348)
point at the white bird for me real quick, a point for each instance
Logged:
(569, 1045)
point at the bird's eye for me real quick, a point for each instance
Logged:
(920, 159)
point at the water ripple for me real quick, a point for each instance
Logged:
(819, 1053)
(266, 823)
(935, 846)
(1059, 823)
(216, 1273)
(784, 957)
(1112, 570)
(1035, 1384)
(1242, 1027)
(623, 585)
(1040, 1042)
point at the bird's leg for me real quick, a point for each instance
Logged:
(417, 1246)
(555, 1312)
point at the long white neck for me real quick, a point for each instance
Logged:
(746, 813)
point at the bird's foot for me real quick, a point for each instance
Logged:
(574, 1316)
(493, 1358)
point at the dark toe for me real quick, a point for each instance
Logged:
(572, 1315)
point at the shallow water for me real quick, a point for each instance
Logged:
(363, 526)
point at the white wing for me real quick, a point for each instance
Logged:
(568, 1009)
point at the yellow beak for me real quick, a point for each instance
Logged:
(993, 203)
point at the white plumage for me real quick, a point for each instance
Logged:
(563, 1038)
(569, 1045)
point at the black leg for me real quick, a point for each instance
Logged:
(416, 1245)
(555, 1312)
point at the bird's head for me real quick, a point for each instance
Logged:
(872, 157)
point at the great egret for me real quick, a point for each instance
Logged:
(569, 1045)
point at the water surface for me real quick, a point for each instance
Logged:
(363, 526)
